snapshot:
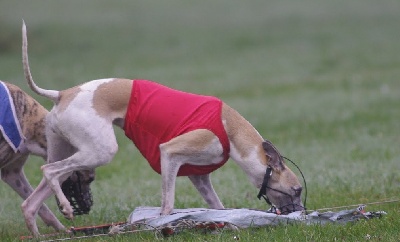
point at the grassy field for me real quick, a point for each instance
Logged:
(319, 78)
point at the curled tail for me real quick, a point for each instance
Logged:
(51, 94)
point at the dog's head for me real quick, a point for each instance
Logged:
(77, 190)
(283, 189)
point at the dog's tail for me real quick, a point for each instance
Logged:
(51, 94)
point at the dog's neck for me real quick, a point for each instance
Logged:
(245, 145)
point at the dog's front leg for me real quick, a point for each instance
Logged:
(205, 188)
(168, 175)
(169, 171)
(14, 176)
(197, 147)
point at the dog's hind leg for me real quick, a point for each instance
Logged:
(205, 188)
(57, 149)
(32, 204)
(90, 150)
(13, 175)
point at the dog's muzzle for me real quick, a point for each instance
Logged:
(77, 190)
(285, 209)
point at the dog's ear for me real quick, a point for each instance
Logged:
(274, 157)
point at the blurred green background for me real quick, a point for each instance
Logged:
(320, 79)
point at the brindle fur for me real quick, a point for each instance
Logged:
(32, 119)
(31, 116)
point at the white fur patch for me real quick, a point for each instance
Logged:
(251, 164)
(79, 122)
(84, 99)
(93, 85)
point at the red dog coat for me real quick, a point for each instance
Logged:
(156, 114)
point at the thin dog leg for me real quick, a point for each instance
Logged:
(205, 188)
(198, 147)
(99, 150)
(169, 170)
(32, 204)
(14, 176)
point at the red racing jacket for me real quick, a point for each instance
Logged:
(157, 114)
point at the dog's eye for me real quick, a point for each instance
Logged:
(297, 191)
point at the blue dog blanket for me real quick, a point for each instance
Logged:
(9, 124)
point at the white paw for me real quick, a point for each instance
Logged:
(67, 211)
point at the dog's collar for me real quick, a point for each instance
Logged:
(263, 190)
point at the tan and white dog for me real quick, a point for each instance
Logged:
(31, 119)
(83, 118)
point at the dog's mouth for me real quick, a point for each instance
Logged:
(78, 192)
(283, 203)
(290, 208)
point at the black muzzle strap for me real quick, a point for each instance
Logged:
(263, 190)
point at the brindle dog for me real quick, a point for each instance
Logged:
(31, 117)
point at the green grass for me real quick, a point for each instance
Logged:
(318, 78)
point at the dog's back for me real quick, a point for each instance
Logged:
(30, 116)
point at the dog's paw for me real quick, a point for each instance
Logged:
(67, 211)
(166, 210)
(231, 227)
